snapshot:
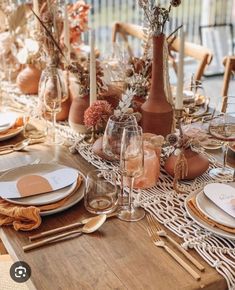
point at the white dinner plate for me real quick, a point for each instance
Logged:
(72, 200)
(40, 199)
(17, 159)
(211, 144)
(11, 134)
(203, 224)
(7, 120)
(208, 208)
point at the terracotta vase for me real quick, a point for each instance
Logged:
(157, 113)
(28, 79)
(197, 164)
(76, 113)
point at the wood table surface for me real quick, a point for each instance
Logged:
(118, 256)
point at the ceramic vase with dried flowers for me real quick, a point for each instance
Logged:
(157, 112)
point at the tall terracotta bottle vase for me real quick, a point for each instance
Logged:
(157, 112)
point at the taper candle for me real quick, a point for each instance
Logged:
(180, 83)
(66, 32)
(92, 68)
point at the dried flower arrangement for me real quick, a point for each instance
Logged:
(157, 16)
(97, 115)
(78, 18)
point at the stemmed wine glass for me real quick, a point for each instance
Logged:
(112, 140)
(51, 93)
(132, 165)
(222, 127)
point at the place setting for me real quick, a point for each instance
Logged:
(103, 161)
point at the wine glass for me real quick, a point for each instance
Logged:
(113, 134)
(222, 127)
(132, 165)
(51, 94)
(112, 141)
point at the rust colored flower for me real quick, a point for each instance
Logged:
(175, 3)
(97, 114)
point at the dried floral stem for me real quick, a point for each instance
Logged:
(49, 34)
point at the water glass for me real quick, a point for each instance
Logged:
(101, 195)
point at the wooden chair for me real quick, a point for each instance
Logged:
(201, 54)
(229, 63)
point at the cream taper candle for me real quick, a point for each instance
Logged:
(66, 32)
(92, 68)
(36, 11)
(180, 73)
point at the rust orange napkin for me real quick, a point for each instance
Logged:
(27, 218)
(193, 206)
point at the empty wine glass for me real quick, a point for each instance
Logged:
(51, 92)
(113, 134)
(222, 127)
(132, 165)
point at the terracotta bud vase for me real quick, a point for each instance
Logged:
(76, 113)
(28, 80)
(197, 164)
(157, 112)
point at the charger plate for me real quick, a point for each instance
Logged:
(203, 224)
(41, 199)
(208, 208)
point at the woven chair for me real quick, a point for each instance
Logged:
(201, 54)
(229, 63)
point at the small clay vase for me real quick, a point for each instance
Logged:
(28, 80)
(76, 113)
(197, 164)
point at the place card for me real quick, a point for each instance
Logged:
(222, 195)
(35, 184)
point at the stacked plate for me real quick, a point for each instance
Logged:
(48, 197)
(217, 202)
(7, 125)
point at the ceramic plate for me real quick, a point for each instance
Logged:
(211, 144)
(7, 120)
(213, 212)
(11, 134)
(40, 199)
(75, 198)
(17, 159)
(203, 224)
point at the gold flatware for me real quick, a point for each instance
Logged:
(17, 147)
(160, 243)
(88, 228)
(65, 228)
(164, 234)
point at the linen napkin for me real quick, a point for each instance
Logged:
(193, 206)
(27, 218)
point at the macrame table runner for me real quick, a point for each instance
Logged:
(168, 208)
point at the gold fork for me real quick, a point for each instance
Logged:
(164, 234)
(160, 243)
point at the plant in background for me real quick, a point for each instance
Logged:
(78, 18)
(157, 16)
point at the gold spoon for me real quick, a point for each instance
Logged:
(17, 147)
(91, 226)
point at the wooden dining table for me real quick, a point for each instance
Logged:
(120, 255)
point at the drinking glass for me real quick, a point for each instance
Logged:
(132, 165)
(113, 134)
(51, 93)
(101, 192)
(222, 127)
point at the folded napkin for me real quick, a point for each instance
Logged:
(193, 206)
(27, 218)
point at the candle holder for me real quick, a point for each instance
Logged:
(179, 116)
